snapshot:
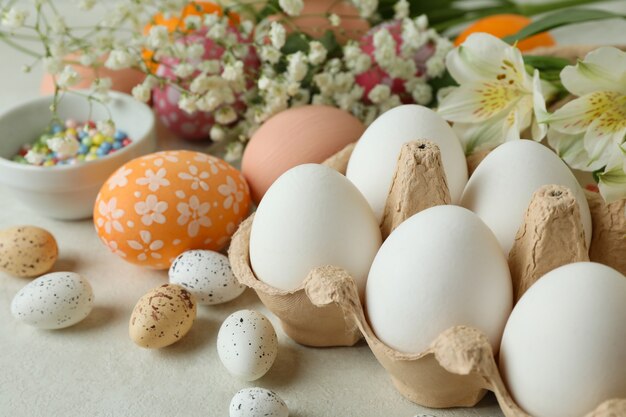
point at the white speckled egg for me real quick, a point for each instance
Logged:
(54, 301)
(247, 344)
(257, 402)
(563, 350)
(207, 275)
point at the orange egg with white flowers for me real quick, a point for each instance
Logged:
(157, 206)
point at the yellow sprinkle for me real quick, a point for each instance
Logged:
(91, 157)
(48, 163)
(93, 149)
(71, 131)
(98, 139)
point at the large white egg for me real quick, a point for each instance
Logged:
(373, 162)
(564, 347)
(500, 189)
(312, 216)
(440, 268)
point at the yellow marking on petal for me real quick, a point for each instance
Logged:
(495, 97)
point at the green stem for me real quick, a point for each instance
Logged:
(18, 47)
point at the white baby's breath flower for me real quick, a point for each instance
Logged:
(435, 66)
(86, 5)
(421, 22)
(14, 18)
(52, 65)
(34, 158)
(68, 77)
(297, 67)
(317, 53)
(225, 115)
(379, 93)
(118, 59)
(141, 92)
(233, 72)
(106, 127)
(421, 91)
(195, 51)
(401, 9)
(270, 54)
(366, 7)
(187, 103)
(246, 27)
(217, 134)
(291, 7)
(216, 32)
(384, 48)
(58, 25)
(334, 20)
(87, 59)
(234, 152)
(193, 22)
(157, 37)
(210, 66)
(277, 35)
(64, 147)
(183, 70)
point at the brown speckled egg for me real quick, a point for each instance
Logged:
(162, 316)
(300, 135)
(27, 251)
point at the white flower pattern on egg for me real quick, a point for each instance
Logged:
(151, 210)
(119, 179)
(233, 195)
(110, 216)
(114, 247)
(148, 247)
(197, 178)
(154, 180)
(194, 215)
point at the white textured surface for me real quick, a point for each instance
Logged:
(93, 369)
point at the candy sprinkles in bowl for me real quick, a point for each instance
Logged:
(45, 165)
(71, 142)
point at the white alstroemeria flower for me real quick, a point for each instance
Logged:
(496, 98)
(291, 7)
(587, 131)
(14, 18)
(612, 182)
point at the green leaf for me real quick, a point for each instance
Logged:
(329, 41)
(560, 18)
(546, 63)
(270, 8)
(296, 41)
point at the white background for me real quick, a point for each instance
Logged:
(93, 369)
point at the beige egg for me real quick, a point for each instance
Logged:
(27, 251)
(162, 316)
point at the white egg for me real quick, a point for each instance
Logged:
(54, 301)
(207, 275)
(441, 268)
(312, 216)
(257, 402)
(373, 163)
(247, 344)
(564, 347)
(500, 189)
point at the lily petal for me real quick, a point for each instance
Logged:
(483, 57)
(612, 183)
(477, 102)
(480, 136)
(602, 69)
(571, 148)
(577, 115)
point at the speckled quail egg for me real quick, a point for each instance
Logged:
(257, 402)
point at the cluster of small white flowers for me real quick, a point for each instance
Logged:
(13, 18)
(291, 7)
(366, 7)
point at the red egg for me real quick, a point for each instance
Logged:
(195, 126)
(376, 75)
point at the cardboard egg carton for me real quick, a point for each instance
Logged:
(460, 366)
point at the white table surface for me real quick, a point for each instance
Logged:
(93, 368)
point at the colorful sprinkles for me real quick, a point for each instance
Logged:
(72, 142)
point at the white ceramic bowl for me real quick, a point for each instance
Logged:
(69, 191)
